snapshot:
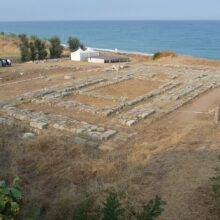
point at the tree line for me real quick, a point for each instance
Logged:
(34, 48)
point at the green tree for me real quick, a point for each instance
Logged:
(74, 43)
(33, 51)
(24, 48)
(152, 210)
(40, 48)
(111, 208)
(56, 48)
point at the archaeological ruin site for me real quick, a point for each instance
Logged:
(105, 108)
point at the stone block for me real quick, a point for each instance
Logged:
(39, 125)
(28, 135)
(106, 135)
(217, 114)
(2, 121)
(68, 77)
(131, 122)
(79, 141)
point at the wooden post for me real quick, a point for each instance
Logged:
(217, 114)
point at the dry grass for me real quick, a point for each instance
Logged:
(164, 54)
(58, 174)
(9, 47)
(124, 88)
(52, 168)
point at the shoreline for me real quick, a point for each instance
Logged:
(122, 51)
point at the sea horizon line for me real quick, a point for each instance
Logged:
(116, 20)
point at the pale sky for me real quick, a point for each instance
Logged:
(49, 10)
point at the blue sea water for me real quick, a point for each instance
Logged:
(196, 38)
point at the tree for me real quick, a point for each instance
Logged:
(152, 210)
(56, 48)
(40, 48)
(111, 208)
(24, 48)
(33, 51)
(74, 43)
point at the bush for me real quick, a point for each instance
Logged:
(55, 47)
(163, 54)
(111, 208)
(24, 48)
(74, 44)
(152, 210)
(11, 202)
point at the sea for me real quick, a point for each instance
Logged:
(193, 38)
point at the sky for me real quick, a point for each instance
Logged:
(49, 10)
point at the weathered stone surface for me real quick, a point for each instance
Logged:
(28, 135)
(68, 77)
(217, 114)
(38, 125)
(108, 134)
(2, 121)
(131, 122)
(79, 141)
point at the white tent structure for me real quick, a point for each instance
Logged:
(82, 55)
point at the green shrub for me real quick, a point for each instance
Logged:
(111, 208)
(56, 48)
(11, 202)
(10, 199)
(152, 210)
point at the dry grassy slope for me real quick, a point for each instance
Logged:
(173, 158)
(9, 46)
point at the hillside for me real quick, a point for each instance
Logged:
(9, 46)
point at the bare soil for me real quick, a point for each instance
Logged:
(124, 88)
(92, 100)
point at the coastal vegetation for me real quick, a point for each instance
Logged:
(31, 48)
(38, 48)
(24, 48)
(74, 44)
(55, 47)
